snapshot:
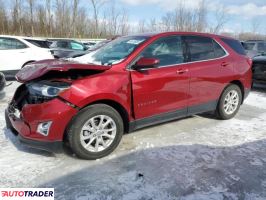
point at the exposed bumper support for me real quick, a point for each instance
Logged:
(55, 147)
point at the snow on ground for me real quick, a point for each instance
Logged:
(195, 158)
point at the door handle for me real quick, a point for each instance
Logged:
(224, 64)
(182, 71)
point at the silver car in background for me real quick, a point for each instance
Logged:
(254, 47)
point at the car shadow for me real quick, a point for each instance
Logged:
(182, 172)
(160, 124)
(2, 95)
(21, 147)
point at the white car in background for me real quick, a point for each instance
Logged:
(16, 52)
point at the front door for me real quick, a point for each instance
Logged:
(162, 89)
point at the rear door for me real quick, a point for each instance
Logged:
(162, 89)
(207, 59)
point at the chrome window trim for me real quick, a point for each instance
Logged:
(185, 63)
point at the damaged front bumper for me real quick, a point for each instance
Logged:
(24, 118)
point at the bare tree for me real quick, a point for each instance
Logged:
(4, 26)
(113, 24)
(75, 5)
(152, 27)
(181, 19)
(49, 17)
(201, 16)
(221, 18)
(63, 17)
(31, 4)
(255, 25)
(41, 20)
(96, 5)
(167, 21)
(16, 16)
(124, 25)
(142, 26)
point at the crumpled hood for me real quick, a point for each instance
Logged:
(40, 68)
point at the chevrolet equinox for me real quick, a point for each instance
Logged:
(132, 82)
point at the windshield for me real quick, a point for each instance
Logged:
(113, 52)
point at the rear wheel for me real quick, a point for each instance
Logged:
(95, 132)
(229, 102)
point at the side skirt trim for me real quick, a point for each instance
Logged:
(157, 119)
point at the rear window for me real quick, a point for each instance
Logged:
(235, 45)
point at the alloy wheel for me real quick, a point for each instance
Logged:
(231, 102)
(98, 133)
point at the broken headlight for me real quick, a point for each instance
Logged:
(47, 89)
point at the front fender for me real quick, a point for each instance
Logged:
(105, 86)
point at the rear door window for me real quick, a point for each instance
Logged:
(62, 44)
(39, 43)
(200, 48)
(76, 46)
(235, 45)
(11, 43)
(168, 50)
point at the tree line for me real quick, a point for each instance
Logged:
(99, 19)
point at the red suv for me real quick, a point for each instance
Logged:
(132, 82)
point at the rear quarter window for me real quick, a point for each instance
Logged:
(235, 45)
(218, 50)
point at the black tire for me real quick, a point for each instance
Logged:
(220, 110)
(9, 125)
(75, 127)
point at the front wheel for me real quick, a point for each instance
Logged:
(95, 132)
(229, 102)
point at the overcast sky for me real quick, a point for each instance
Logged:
(241, 13)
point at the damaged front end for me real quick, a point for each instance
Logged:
(37, 112)
(37, 92)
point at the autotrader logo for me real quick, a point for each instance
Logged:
(27, 193)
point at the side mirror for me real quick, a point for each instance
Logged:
(144, 63)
